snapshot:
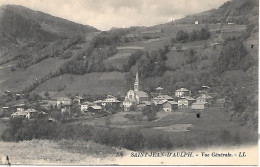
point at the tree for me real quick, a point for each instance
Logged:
(179, 48)
(193, 35)
(46, 94)
(150, 112)
(204, 33)
(231, 56)
(182, 36)
(75, 108)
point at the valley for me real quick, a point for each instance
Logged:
(190, 83)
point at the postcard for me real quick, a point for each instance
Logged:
(129, 82)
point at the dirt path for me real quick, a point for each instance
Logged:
(45, 152)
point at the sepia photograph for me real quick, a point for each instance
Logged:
(129, 82)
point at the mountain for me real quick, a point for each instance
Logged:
(24, 23)
(80, 59)
(34, 44)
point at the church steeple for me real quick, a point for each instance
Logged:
(136, 85)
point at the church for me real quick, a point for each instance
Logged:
(135, 96)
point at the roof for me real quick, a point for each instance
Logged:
(205, 96)
(78, 97)
(148, 103)
(161, 97)
(141, 94)
(165, 101)
(172, 102)
(159, 88)
(63, 98)
(127, 100)
(199, 103)
(161, 102)
(96, 107)
(31, 110)
(189, 98)
(182, 90)
(111, 96)
(204, 86)
(19, 113)
(141, 105)
(98, 101)
(20, 105)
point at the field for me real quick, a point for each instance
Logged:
(120, 59)
(93, 83)
(20, 79)
(184, 127)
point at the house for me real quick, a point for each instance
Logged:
(204, 98)
(201, 102)
(127, 104)
(18, 96)
(182, 92)
(7, 93)
(198, 105)
(84, 106)
(162, 97)
(185, 101)
(95, 108)
(78, 99)
(189, 99)
(159, 90)
(19, 114)
(6, 109)
(110, 100)
(49, 102)
(143, 104)
(65, 101)
(230, 22)
(134, 97)
(167, 106)
(20, 107)
(65, 108)
(204, 89)
(31, 113)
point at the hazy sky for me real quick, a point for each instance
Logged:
(105, 14)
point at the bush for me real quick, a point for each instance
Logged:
(150, 112)
(183, 36)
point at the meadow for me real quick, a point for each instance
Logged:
(184, 129)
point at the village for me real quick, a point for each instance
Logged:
(135, 100)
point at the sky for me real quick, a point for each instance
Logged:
(106, 14)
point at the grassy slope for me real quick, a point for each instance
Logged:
(199, 132)
(20, 79)
(65, 152)
(92, 83)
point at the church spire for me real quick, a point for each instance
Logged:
(136, 85)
